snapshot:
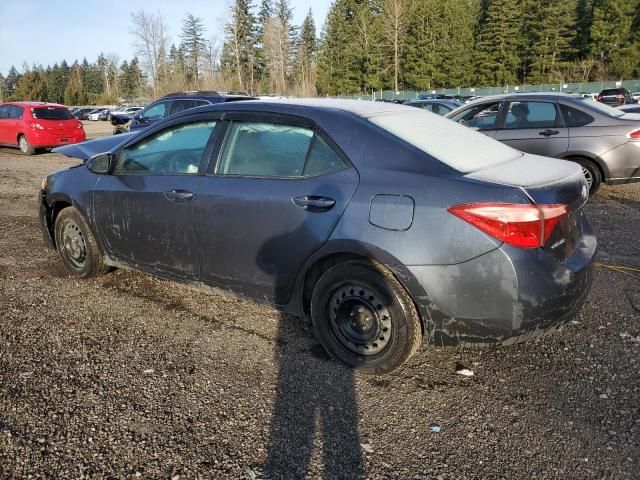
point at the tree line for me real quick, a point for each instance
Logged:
(364, 45)
(101, 82)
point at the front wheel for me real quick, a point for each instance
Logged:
(364, 317)
(25, 146)
(77, 246)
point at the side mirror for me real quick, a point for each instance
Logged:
(100, 164)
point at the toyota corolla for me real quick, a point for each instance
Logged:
(390, 226)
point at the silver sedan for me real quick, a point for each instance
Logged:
(605, 141)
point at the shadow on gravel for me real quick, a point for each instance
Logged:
(313, 393)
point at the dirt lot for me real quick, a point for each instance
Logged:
(127, 376)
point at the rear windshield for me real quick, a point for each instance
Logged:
(51, 113)
(458, 146)
(599, 107)
(612, 91)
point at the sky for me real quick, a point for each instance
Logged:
(48, 31)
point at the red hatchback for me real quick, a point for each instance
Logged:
(34, 125)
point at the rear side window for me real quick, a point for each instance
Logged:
(4, 111)
(531, 115)
(182, 105)
(574, 117)
(453, 144)
(51, 113)
(15, 112)
(271, 150)
(176, 150)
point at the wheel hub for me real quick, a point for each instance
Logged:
(587, 176)
(74, 244)
(359, 319)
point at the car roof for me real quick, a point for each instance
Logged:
(529, 96)
(34, 104)
(202, 95)
(306, 106)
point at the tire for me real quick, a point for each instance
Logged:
(25, 146)
(76, 245)
(363, 317)
(591, 173)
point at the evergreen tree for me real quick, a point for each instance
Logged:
(306, 55)
(2, 94)
(238, 53)
(75, 93)
(11, 82)
(194, 44)
(500, 44)
(551, 29)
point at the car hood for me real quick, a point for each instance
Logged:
(90, 148)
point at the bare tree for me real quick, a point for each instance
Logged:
(276, 53)
(394, 24)
(150, 41)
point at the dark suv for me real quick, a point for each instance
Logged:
(615, 96)
(178, 102)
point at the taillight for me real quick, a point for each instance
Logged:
(79, 125)
(525, 226)
(599, 98)
(635, 135)
(36, 126)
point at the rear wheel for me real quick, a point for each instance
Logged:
(591, 172)
(364, 317)
(25, 146)
(77, 246)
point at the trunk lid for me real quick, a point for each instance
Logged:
(547, 181)
(90, 148)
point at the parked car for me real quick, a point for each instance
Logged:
(603, 140)
(633, 108)
(432, 96)
(95, 114)
(37, 125)
(104, 115)
(178, 102)
(615, 96)
(439, 107)
(590, 96)
(83, 113)
(636, 96)
(275, 201)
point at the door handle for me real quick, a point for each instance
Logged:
(179, 196)
(548, 133)
(315, 203)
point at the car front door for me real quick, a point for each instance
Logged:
(534, 127)
(271, 200)
(150, 115)
(482, 117)
(144, 210)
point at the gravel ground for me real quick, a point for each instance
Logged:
(127, 376)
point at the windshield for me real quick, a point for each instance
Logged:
(458, 146)
(51, 113)
(599, 107)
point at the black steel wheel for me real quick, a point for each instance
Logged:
(364, 317)
(76, 245)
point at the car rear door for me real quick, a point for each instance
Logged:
(4, 124)
(272, 199)
(144, 210)
(534, 127)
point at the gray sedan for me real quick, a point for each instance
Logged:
(605, 141)
(387, 224)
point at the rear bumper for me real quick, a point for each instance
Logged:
(44, 139)
(623, 163)
(504, 296)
